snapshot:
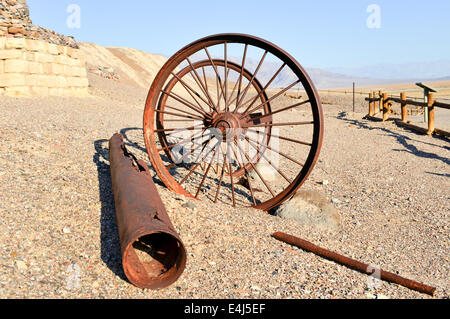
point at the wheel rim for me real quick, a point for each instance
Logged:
(244, 111)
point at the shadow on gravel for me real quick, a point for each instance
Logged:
(438, 174)
(403, 140)
(129, 142)
(134, 145)
(129, 136)
(109, 236)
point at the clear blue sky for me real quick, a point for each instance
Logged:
(319, 33)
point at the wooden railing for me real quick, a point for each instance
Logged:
(384, 103)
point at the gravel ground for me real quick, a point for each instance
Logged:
(58, 234)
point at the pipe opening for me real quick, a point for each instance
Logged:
(156, 260)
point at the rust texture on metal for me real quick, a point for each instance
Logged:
(223, 94)
(153, 255)
(353, 264)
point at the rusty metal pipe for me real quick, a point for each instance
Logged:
(353, 264)
(153, 255)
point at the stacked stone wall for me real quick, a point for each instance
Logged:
(37, 61)
(35, 67)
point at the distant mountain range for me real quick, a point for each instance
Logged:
(322, 79)
(140, 67)
(423, 70)
(344, 77)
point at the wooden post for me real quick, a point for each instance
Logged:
(404, 108)
(385, 107)
(371, 104)
(380, 94)
(430, 113)
(375, 104)
(353, 97)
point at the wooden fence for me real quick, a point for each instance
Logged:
(383, 103)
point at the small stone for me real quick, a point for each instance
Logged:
(21, 265)
(189, 205)
(380, 296)
(325, 182)
(255, 288)
(16, 30)
(370, 295)
(335, 201)
(212, 263)
(66, 230)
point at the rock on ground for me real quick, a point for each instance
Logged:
(311, 208)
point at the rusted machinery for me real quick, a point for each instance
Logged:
(153, 255)
(217, 124)
(354, 264)
(232, 124)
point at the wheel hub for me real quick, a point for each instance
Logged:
(227, 124)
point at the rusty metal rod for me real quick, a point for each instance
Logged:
(153, 255)
(353, 264)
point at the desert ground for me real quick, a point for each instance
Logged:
(59, 234)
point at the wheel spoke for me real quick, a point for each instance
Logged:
(268, 161)
(195, 127)
(192, 138)
(231, 174)
(206, 173)
(215, 69)
(279, 111)
(219, 185)
(185, 102)
(247, 111)
(193, 168)
(265, 88)
(281, 153)
(226, 76)
(207, 89)
(238, 102)
(256, 170)
(189, 90)
(280, 124)
(176, 120)
(183, 111)
(252, 193)
(179, 115)
(200, 84)
(282, 138)
(241, 76)
(220, 94)
(231, 94)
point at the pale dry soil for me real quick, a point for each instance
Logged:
(58, 234)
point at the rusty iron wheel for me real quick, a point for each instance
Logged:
(222, 122)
